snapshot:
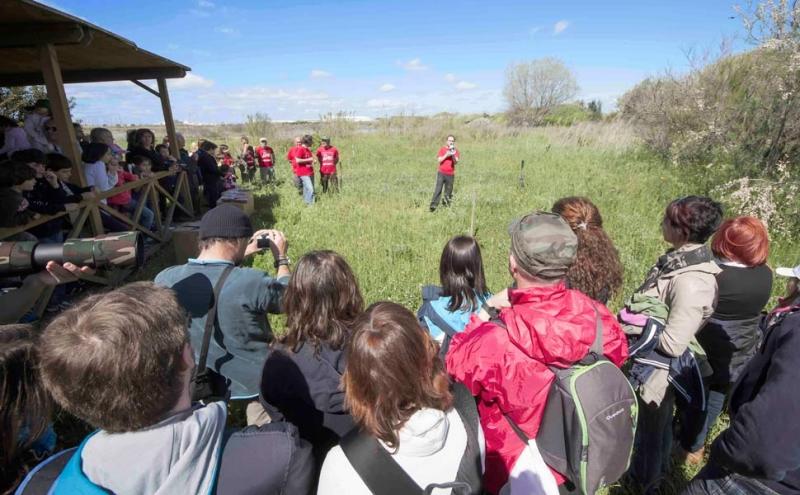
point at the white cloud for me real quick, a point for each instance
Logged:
(386, 87)
(319, 74)
(205, 4)
(227, 30)
(384, 103)
(415, 64)
(464, 86)
(191, 81)
(451, 78)
(560, 26)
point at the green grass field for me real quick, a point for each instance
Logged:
(380, 221)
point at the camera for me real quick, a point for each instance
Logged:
(120, 249)
(452, 148)
(263, 242)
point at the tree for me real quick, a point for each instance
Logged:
(595, 107)
(258, 125)
(14, 100)
(534, 88)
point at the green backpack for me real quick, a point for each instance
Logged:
(589, 420)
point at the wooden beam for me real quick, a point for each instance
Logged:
(59, 107)
(31, 35)
(169, 122)
(94, 75)
(146, 88)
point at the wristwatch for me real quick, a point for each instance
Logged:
(282, 261)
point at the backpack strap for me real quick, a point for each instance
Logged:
(375, 467)
(41, 478)
(470, 469)
(596, 350)
(427, 311)
(211, 316)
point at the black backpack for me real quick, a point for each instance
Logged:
(383, 476)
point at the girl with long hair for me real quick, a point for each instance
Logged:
(400, 397)
(597, 271)
(302, 374)
(446, 310)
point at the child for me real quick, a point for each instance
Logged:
(56, 192)
(16, 178)
(125, 201)
(95, 158)
(249, 158)
(170, 161)
(446, 310)
(142, 166)
(228, 179)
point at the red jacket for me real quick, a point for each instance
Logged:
(506, 369)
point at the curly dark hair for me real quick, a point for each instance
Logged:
(597, 270)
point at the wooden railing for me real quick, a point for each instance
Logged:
(151, 193)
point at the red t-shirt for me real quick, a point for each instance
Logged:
(327, 158)
(290, 157)
(122, 198)
(448, 165)
(264, 156)
(303, 169)
(227, 159)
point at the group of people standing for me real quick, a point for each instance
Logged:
(301, 158)
(377, 400)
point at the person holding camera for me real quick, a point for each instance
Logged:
(448, 158)
(242, 333)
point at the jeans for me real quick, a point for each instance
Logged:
(331, 179)
(653, 443)
(267, 174)
(56, 238)
(715, 403)
(308, 189)
(446, 182)
(715, 481)
(251, 174)
(147, 217)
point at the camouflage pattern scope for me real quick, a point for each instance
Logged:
(118, 249)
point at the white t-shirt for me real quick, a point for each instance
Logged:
(432, 444)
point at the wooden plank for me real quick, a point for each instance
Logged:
(59, 107)
(18, 35)
(94, 75)
(172, 198)
(119, 216)
(146, 88)
(169, 122)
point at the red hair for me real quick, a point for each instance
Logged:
(742, 239)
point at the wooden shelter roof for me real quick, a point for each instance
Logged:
(86, 53)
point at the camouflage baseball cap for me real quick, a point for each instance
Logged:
(543, 244)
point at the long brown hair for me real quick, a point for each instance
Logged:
(461, 273)
(393, 370)
(24, 402)
(597, 270)
(321, 301)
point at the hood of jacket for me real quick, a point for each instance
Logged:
(178, 455)
(557, 326)
(424, 434)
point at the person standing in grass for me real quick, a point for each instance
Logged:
(328, 158)
(446, 310)
(290, 157)
(448, 157)
(731, 336)
(597, 271)
(266, 161)
(305, 167)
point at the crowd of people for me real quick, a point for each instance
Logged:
(36, 176)
(358, 398)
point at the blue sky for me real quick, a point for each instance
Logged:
(301, 59)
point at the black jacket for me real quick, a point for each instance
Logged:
(208, 167)
(49, 200)
(763, 440)
(305, 389)
(158, 163)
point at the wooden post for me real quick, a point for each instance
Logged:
(59, 107)
(169, 122)
(522, 174)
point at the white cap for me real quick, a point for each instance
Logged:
(788, 272)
